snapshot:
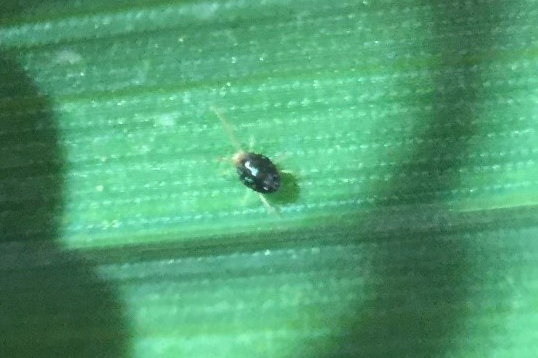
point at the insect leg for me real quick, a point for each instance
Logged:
(268, 206)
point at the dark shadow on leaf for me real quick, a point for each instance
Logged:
(288, 192)
(419, 278)
(52, 303)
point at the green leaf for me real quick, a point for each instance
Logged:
(407, 219)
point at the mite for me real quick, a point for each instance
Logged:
(255, 171)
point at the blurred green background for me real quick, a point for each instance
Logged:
(408, 226)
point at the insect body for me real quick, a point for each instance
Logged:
(257, 172)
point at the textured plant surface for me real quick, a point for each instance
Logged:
(408, 222)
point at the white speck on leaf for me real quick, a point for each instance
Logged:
(67, 57)
(144, 149)
(205, 10)
(165, 120)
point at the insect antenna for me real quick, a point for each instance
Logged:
(227, 128)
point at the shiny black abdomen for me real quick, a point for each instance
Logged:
(258, 173)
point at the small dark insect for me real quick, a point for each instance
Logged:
(255, 171)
